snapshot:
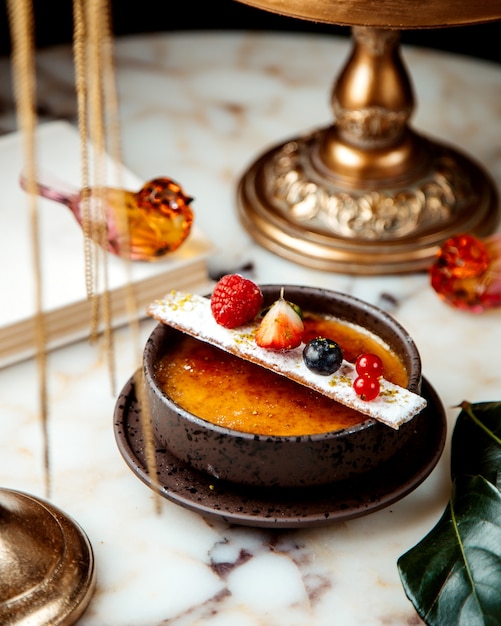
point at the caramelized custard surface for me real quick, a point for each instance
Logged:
(234, 393)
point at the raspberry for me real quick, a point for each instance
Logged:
(235, 301)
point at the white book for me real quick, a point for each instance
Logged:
(66, 308)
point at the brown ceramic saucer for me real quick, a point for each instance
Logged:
(285, 508)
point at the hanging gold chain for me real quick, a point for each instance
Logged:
(80, 63)
(89, 36)
(23, 60)
(112, 116)
(98, 110)
(97, 104)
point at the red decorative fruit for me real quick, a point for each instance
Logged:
(281, 328)
(467, 272)
(367, 387)
(369, 365)
(235, 301)
(463, 256)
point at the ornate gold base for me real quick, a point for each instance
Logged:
(47, 574)
(296, 207)
(366, 195)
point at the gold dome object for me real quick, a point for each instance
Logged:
(368, 194)
(47, 574)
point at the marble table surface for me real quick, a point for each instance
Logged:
(199, 107)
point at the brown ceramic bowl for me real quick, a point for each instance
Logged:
(284, 461)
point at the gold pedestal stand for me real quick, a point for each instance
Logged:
(366, 195)
(47, 574)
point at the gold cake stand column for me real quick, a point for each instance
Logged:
(367, 194)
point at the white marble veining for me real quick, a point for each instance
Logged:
(199, 108)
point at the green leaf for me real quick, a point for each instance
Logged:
(453, 575)
(476, 442)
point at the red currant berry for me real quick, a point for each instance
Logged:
(367, 387)
(369, 365)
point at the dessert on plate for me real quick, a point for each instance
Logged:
(280, 385)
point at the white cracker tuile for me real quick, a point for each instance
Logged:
(191, 314)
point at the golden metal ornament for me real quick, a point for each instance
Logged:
(368, 194)
(399, 14)
(47, 573)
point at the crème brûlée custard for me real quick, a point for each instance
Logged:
(235, 393)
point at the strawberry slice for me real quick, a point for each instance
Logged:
(282, 327)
